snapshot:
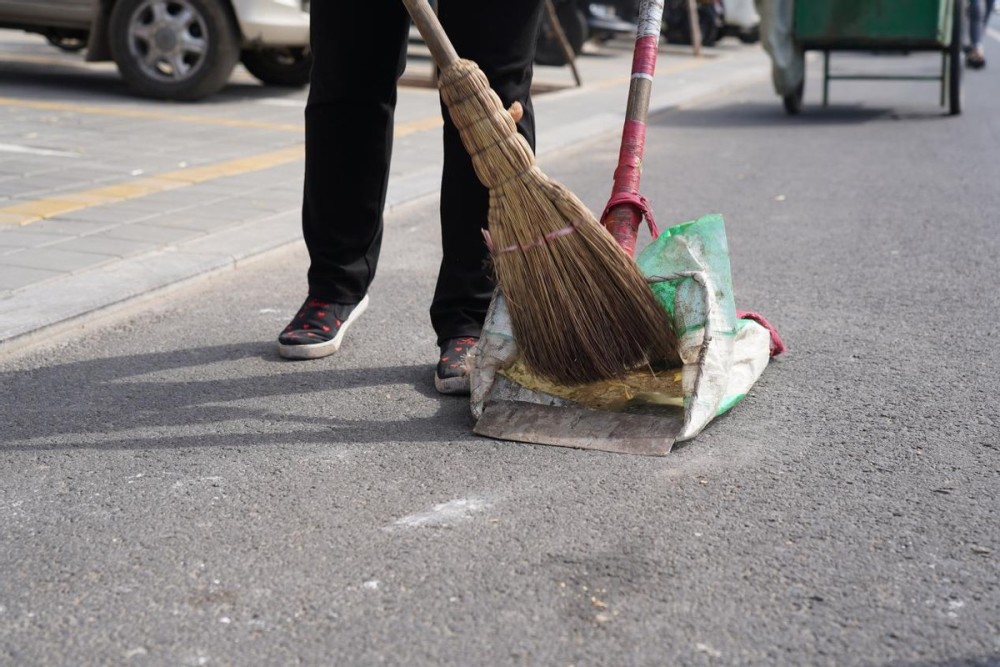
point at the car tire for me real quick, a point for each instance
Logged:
(173, 49)
(279, 67)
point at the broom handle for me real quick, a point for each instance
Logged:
(622, 219)
(430, 29)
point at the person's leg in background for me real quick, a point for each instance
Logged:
(976, 56)
(500, 36)
(359, 52)
(776, 36)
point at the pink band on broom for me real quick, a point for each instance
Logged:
(551, 236)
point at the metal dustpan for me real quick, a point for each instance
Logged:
(567, 425)
(724, 352)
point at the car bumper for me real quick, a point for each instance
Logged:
(273, 22)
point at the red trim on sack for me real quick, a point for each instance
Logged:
(777, 345)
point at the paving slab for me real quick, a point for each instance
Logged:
(55, 259)
(15, 277)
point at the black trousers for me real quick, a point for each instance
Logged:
(359, 51)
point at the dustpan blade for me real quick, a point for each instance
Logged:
(581, 428)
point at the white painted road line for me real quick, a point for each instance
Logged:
(444, 514)
(28, 150)
(281, 102)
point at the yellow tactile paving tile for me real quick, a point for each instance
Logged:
(136, 188)
(84, 199)
(15, 219)
(39, 208)
(26, 212)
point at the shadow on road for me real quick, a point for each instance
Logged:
(143, 401)
(985, 661)
(755, 114)
(63, 80)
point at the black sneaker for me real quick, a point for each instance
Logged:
(452, 374)
(318, 328)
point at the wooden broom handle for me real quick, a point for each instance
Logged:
(430, 29)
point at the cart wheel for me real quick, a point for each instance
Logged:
(793, 101)
(955, 60)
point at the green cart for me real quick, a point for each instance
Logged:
(899, 26)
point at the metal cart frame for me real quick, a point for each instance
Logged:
(947, 40)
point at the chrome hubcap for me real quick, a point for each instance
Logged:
(169, 39)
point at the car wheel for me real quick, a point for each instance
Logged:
(279, 67)
(173, 49)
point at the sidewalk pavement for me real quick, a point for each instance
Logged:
(106, 199)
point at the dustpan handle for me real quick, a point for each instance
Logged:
(430, 29)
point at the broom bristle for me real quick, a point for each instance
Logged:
(580, 308)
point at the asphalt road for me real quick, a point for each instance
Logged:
(174, 494)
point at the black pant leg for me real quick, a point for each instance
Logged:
(500, 36)
(359, 52)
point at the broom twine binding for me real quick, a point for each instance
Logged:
(551, 236)
(487, 129)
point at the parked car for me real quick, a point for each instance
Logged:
(176, 49)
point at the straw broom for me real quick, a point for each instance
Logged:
(580, 309)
